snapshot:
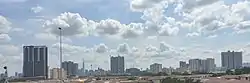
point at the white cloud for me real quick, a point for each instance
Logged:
(190, 4)
(5, 25)
(109, 27)
(123, 48)
(140, 5)
(4, 38)
(165, 47)
(37, 9)
(72, 24)
(151, 48)
(168, 31)
(10, 50)
(101, 48)
(133, 30)
(193, 34)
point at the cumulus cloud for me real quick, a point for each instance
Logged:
(101, 48)
(4, 38)
(168, 31)
(109, 27)
(72, 24)
(133, 30)
(37, 9)
(123, 48)
(5, 25)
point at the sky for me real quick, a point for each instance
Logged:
(143, 31)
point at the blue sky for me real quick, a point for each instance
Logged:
(162, 31)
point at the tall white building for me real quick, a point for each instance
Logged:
(54, 73)
(231, 60)
(156, 68)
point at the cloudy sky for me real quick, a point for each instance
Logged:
(144, 31)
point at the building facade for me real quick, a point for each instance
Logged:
(35, 61)
(156, 68)
(70, 67)
(195, 64)
(117, 65)
(55, 72)
(183, 64)
(210, 64)
(231, 60)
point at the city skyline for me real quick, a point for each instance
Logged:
(148, 31)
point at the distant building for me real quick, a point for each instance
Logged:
(56, 72)
(133, 71)
(35, 61)
(183, 64)
(210, 64)
(117, 65)
(70, 67)
(168, 70)
(246, 65)
(195, 64)
(81, 72)
(156, 68)
(231, 60)
(202, 65)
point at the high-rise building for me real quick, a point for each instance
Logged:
(70, 67)
(210, 64)
(35, 61)
(183, 64)
(54, 73)
(195, 64)
(117, 64)
(156, 68)
(231, 60)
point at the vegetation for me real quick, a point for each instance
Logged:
(132, 78)
(238, 71)
(175, 80)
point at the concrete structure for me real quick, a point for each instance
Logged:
(133, 71)
(35, 61)
(54, 73)
(70, 67)
(156, 68)
(231, 60)
(81, 72)
(117, 65)
(194, 64)
(210, 64)
(246, 65)
(183, 64)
